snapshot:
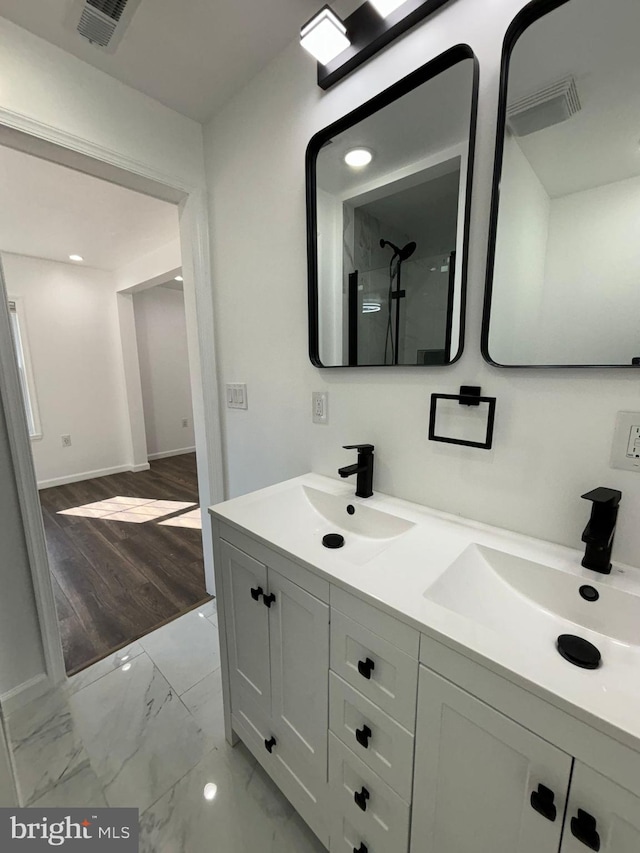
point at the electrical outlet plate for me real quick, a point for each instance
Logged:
(625, 452)
(237, 395)
(320, 407)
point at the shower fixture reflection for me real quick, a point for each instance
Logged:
(395, 274)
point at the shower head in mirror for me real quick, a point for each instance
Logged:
(403, 253)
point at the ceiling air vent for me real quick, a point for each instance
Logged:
(544, 108)
(102, 22)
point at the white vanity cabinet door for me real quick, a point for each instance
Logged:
(247, 628)
(475, 771)
(299, 632)
(615, 810)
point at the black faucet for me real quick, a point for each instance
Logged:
(363, 468)
(598, 534)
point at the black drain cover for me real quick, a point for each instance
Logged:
(578, 651)
(333, 540)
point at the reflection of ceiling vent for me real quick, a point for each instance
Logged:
(551, 105)
(102, 22)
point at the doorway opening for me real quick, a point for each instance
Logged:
(101, 345)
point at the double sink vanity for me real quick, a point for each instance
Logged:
(406, 691)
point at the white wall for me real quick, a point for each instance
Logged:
(161, 332)
(521, 254)
(593, 271)
(76, 356)
(52, 87)
(553, 428)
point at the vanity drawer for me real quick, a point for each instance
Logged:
(379, 670)
(372, 735)
(382, 825)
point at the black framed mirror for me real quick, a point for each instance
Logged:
(388, 202)
(564, 255)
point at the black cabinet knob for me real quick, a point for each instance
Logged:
(366, 667)
(542, 802)
(362, 849)
(363, 735)
(268, 600)
(583, 827)
(361, 798)
(256, 593)
(269, 744)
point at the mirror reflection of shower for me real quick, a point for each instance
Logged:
(392, 337)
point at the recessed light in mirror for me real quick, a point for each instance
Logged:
(210, 791)
(358, 158)
(76, 258)
(386, 7)
(126, 667)
(178, 278)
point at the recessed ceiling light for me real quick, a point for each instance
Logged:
(178, 278)
(126, 667)
(76, 258)
(210, 791)
(386, 7)
(358, 158)
(324, 36)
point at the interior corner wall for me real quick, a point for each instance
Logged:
(161, 332)
(72, 325)
(520, 263)
(554, 428)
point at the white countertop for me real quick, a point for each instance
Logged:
(396, 578)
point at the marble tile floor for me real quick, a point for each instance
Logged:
(144, 728)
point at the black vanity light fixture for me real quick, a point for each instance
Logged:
(342, 46)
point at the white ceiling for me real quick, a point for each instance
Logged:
(190, 55)
(597, 43)
(51, 212)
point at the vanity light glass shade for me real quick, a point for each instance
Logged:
(357, 158)
(325, 36)
(386, 7)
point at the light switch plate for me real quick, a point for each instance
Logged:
(237, 395)
(625, 452)
(320, 407)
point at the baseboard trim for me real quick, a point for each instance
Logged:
(90, 475)
(167, 453)
(21, 695)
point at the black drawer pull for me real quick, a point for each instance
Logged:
(542, 802)
(362, 849)
(363, 735)
(268, 600)
(583, 828)
(366, 667)
(361, 798)
(269, 744)
(256, 593)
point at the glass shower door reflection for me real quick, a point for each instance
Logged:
(421, 292)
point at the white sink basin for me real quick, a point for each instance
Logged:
(303, 515)
(522, 599)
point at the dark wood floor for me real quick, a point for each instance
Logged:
(116, 581)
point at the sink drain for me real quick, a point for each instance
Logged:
(333, 540)
(578, 651)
